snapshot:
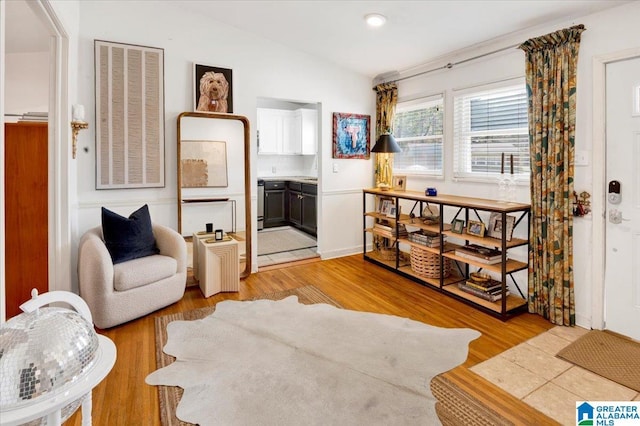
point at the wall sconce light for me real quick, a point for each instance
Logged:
(77, 124)
(385, 146)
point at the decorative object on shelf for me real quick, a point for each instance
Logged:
(129, 88)
(385, 146)
(506, 183)
(495, 226)
(384, 205)
(212, 89)
(426, 238)
(351, 136)
(209, 228)
(484, 255)
(392, 212)
(476, 228)
(219, 235)
(457, 226)
(399, 183)
(430, 215)
(480, 277)
(204, 164)
(427, 264)
(431, 192)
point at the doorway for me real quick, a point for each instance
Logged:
(287, 169)
(622, 256)
(41, 22)
(603, 284)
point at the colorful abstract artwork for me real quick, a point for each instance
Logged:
(351, 135)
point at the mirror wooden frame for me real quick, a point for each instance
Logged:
(247, 177)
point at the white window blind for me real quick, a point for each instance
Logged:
(491, 123)
(418, 129)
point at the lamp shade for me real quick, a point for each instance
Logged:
(386, 143)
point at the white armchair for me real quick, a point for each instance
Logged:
(128, 290)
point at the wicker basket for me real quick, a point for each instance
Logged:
(427, 264)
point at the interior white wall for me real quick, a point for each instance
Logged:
(2, 110)
(29, 77)
(260, 69)
(609, 31)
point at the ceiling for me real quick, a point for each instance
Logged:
(415, 32)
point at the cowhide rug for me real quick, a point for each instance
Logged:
(285, 363)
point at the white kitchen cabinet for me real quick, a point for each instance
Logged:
(270, 131)
(285, 132)
(309, 131)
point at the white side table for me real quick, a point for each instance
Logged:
(218, 266)
(194, 248)
(51, 406)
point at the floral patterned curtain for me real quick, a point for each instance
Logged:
(386, 100)
(551, 67)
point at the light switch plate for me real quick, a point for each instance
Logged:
(582, 157)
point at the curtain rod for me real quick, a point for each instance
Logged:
(450, 65)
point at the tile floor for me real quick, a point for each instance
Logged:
(532, 373)
(287, 256)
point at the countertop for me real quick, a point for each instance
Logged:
(301, 179)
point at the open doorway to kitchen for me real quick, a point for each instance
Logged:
(288, 133)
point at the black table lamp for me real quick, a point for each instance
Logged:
(385, 146)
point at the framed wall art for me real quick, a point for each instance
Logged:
(399, 183)
(204, 164)
(495, 226)
(129, 85)
(212, 89)
(351, 135)
(475, 228)
(457, 226)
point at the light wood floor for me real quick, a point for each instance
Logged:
(123, 398)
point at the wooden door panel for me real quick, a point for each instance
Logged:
(26, 212)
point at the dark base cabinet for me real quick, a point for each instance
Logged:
(291, 203)
(274, 204)
(309, 209)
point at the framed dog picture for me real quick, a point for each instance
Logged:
(351, 135)
(212, 89)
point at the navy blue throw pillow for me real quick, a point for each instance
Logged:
(128, 238)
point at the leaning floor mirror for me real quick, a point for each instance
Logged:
(214, 187)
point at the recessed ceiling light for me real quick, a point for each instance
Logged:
(375, 19)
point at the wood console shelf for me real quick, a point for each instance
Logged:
(406, 214)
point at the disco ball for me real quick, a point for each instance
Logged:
(42, 354)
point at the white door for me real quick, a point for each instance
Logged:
(622, 263)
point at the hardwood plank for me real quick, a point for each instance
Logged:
(124, 398)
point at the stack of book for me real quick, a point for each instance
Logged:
(402, 230)
(480, 254)
(488, 290)
(426, 238)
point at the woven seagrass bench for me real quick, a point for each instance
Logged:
(464, 398)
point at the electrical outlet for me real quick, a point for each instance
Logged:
(335, 167)
(273, 169)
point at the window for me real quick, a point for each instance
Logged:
(418, 130)
(490, 124)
